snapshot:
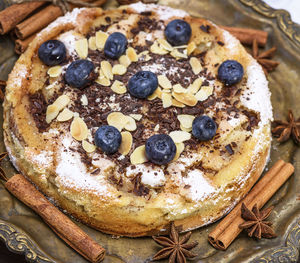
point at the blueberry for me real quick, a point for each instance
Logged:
(160, 149)
(108, 138)
(230, 72)
(79, 73)
(178, 32)
(142, 84)
(52, 52)
(115, 45)
(204, 128)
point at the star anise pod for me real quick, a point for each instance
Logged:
(285, 129)
(264, 59)
(256, 224)
(177, 250)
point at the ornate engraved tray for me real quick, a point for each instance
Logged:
(24, 232)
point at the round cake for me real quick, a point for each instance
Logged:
(132, 118)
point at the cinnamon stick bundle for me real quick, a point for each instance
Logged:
(21, 45)
(38, 21)
(247, 35)
(228, 229)
(60, 223)
(14, 14)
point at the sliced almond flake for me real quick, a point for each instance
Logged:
(156, 49)
(84, 100)
(125, 61)
(176, 54)
(180, 47)
(179, 150)
(179, 89)
(132, 55)
(103, 81)
(118, 87)
(185, 129)
(204, 93)
(130, 124)
(166, 91)
(92, 43)
(144, 53)
(152, 96)
(117, 119)
(101, 38)
(186, 98)
(65, 115)
(88, 147)
(79, 130)
(196, 65)
(156, 128)
(55, 71)
(51, 113)
(107, 70)
(165, 44)
(186, 120)
(126, 143)
(166, 99)
(139, 155)
(195, 86)
(119, 69)
(178, 104)
(164, 82)
(81, 47)
(137, 117)
(191, 48)
(61, 102)
(180, 136)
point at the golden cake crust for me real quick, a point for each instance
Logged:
(222, 178)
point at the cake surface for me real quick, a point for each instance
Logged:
(49, 126)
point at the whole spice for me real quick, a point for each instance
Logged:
(264, 59)
(256, 224)
(285, 129)
(176, 250)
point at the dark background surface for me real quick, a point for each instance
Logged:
(8, 257)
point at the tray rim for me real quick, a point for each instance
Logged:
(18, 242)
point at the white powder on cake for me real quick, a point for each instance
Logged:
(164, 12)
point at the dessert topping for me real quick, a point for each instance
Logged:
(139, 155)
(52, 52)
(88, 147)
(177, 250)
(178, 32)
(160, 149)
(285, 129)
(186, 120)
(196, 65)
(65, 115)
(204, 128)
(118, 87)
(81, 47)
(79, 130)
(230, 72)
(108, 138)
(180, 136)
(55, 71)
(115, 45)
(101, 38)
(142, 84)
(126, 143)
(79, 73)
(256, 224)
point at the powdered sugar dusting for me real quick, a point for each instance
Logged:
(200, 188)
(258, 89)
(71, 172)
(164, 12)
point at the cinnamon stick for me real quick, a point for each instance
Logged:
(228, 229)
(247, 35)
(14, 14)
(37, 21)
(21, 45)
(60, 223)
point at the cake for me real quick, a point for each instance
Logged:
(132, 118)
